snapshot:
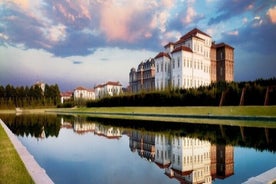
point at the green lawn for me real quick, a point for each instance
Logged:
(130, 113)
(12, 169)
(225, 110)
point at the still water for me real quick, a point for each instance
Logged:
(79, 149)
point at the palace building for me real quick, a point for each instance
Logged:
(192, 61)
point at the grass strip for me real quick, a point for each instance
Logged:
(249, 116)
(12, 169)
(197, 110)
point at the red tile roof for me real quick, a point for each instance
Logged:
(162, 54)
(66, 94)
(193, 33)
(80, 88)
(109, 83)
(170, 43)
(114, 83)
(182, 48)
(223, 45)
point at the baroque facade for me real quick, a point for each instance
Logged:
(143, 78)
(192, 61)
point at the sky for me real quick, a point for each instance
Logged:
(88, 42)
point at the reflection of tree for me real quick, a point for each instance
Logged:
(33, 125)
(258, 138)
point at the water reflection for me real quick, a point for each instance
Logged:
(185, 159)
(186, 153)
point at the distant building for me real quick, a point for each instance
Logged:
(41, 85)
(143, 78)
(83, 93)
(108, 89)
(192, 61)
(64, 96)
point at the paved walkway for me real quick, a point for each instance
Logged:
(265, 178)
(37, 173)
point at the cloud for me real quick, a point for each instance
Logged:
(55, 33)
(229, 9)
(233, 33)
(190, 15)
(271, 13)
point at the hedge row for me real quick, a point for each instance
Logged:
(204, 96)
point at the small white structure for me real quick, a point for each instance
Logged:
(65, 96)
(108, 89)
(83, 93)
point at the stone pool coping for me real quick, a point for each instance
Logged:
(37, 173)
(267, 177)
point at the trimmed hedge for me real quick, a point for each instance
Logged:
(202, 96)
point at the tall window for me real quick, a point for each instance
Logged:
(178, 62)
(173, 63)
(157, 68)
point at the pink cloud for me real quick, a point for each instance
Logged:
(132, 20)
(114, 22)
(271, 13)
(190, 15)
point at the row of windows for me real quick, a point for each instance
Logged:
(188, 142)
(192, 158)
(167, 154)
(187, 62)
(189, 83)
(200, 49)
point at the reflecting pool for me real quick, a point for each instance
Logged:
(79, 149)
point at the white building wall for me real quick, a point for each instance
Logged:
(190, 154)
(194, 70)
(162, 73)
(162, 150)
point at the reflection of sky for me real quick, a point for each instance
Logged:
(72, 157)
(249, 163)
(88, 158)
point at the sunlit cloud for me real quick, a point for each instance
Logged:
(89, 36)
(233, 33)
(271, 13)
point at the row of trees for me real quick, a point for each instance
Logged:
(24, 96)
(255, 93)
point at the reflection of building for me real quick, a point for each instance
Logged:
(222, 161)
(108, 132)
(143, 143)
(189, 160)
(83, 127)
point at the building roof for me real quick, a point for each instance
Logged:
(80, 88)
(162, 54)
(168, 44)
(111, 83)
(182, 48)
(194, 32)
(223, 45)
(66, 94)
